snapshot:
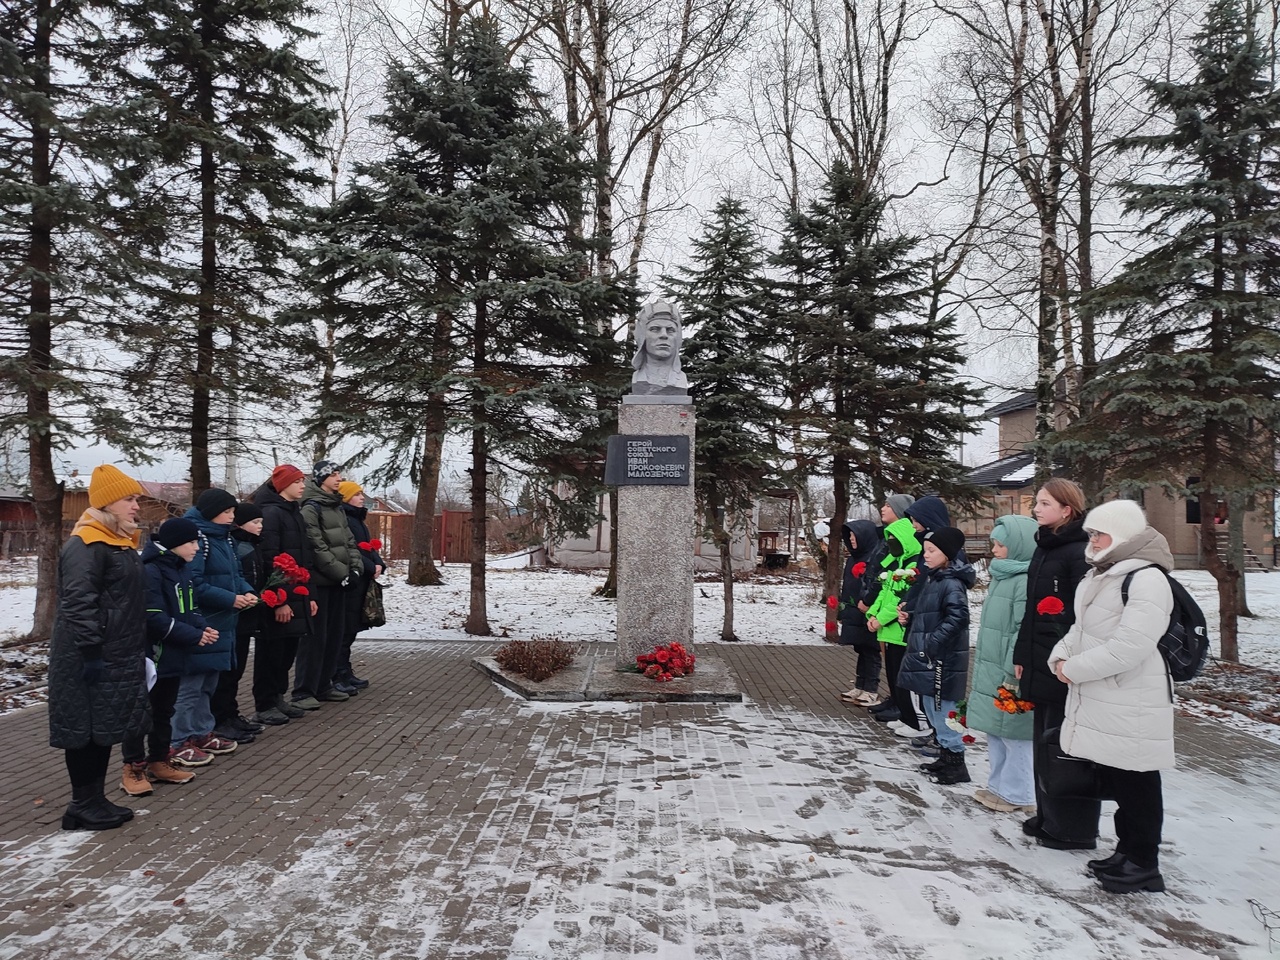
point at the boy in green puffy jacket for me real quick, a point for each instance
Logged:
(897, 572)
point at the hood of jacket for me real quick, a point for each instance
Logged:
(1149, 546)
(238, 533)
(956, 570)
(865, 534)
(901, 538)
(1018, 533)
(312, 492)
(1070, 532)
(220, 530)
(930, 512)
(266, 495)
(154, 553)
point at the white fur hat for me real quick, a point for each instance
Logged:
(1122, 519)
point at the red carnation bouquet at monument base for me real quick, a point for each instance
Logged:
(286, 576)
(668, 661)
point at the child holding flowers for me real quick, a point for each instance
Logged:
(897, 573)
(995, 706)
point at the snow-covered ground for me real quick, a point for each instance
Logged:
(794, 840)
(525, 603)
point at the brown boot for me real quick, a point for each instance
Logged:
(162, 771)
(135, 782)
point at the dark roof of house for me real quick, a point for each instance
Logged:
(1020, 401)
(1007, 473)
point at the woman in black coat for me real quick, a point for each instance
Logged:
(97, 672)
(1057, 567)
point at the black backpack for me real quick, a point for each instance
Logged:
(1185, 642)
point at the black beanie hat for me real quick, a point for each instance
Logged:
(246, 511)
(213, 502)
(176, 532)
(947, 539)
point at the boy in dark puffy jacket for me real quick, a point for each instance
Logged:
(174, 627)
(228, 722)
(936, 665)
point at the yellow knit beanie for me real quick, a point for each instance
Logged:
(348, 489)
(108, 484)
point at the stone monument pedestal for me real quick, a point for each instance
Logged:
(656, 531)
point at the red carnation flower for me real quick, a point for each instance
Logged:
(653, 670)
(662, 656)
(832, 602)
(272, 599)
(365, 545)
(301, 592)
(375, 543)
(1050, 606)
(859, 568)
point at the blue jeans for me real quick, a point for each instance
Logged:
(192, 715)
(948, 739)
(1012, 777)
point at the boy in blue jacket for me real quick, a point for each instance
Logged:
(936, 665)
(174, 628)
(222, 592)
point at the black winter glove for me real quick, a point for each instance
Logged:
(94, 672)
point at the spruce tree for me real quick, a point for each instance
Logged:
(733, 376)
(1193, 391)
(882, 403)
(236, 114)
(463, 297)
(68, 132)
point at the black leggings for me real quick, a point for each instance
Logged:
(154, 746)
(87, 765)
(894, 654)
(1139, 812)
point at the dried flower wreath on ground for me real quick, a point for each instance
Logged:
(536, 659)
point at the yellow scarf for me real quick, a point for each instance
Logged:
(98, 526)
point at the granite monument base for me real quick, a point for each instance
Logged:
(594, 676)
(656, 531)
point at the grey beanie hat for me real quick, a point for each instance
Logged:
(899, 502)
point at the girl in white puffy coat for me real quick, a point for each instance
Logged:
(1119, 710)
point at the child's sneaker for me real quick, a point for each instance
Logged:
(162, 771)
(189, 755)
(212, 743)
(134, 782)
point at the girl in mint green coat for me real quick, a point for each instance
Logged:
(1011, 784)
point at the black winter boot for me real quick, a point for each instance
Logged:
(124, 813)
(953, 768)
(1106, 863)
(1128, 877)
(936, 765)
(88, 811)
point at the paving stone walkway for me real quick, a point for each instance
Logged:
(437, 816)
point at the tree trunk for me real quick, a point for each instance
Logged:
(833, 574)
(206, 310)
(1227, 578)
(609, 589)
(1237, 504)
(422, 567)
(478, 618)
(46, 492)
(719, 528)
